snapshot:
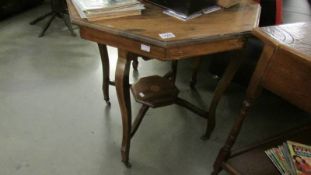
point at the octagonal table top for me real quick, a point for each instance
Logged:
(226, 23)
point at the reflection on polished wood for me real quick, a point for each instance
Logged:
(221, 31)
(146, 28)
(284, 69)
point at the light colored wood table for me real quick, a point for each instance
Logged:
(221, 31)
(284, 68)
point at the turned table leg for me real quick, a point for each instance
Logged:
(106, 71)
(123, 93)
(226, 149)
(253, 91)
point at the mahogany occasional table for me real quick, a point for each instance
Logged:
(225, 30)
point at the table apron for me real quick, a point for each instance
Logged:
(162, 53)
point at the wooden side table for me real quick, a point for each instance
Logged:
(284, 69)
(140, 35)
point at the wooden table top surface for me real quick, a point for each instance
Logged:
(227, 23)
(294, 37)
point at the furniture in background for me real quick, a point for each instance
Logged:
(12, 7)
(284, 68)
(58, 9)
(271, 14)
(136, 35)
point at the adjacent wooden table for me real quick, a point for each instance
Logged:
(284, 68)
(139, 35)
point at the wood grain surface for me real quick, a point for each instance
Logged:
(223, 24)
(294, 37)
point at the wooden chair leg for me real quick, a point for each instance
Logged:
(106, 71)
(139, 118)
(195, 70)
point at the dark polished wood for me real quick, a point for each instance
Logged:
(284, 68)
(222, 85)
(124, 98)
(155, 91)
(137, 35)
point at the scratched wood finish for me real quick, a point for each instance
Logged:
(147, 27)
(285, 69)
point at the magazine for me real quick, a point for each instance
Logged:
(291, 158)
(301, 157)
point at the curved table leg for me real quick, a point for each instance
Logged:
(223, 84)
(105, 64)
(123, 92)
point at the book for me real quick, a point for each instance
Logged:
(94, 10)
(184, 17)
(116, 10)
(114, 15)
(89, 5)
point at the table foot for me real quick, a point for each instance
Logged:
(127, 164)
(108, 102)
(192, 84)
(205, 137)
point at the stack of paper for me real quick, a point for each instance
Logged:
(93, 10)
(184, 17)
